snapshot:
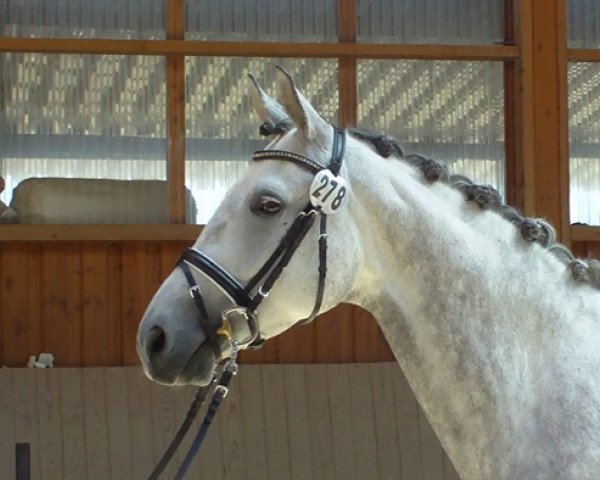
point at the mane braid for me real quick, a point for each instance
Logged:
(384, 145)
(584, 271)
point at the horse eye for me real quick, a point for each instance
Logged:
(267, 205)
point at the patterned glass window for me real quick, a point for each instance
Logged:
(83, 117)
(430, 21)
(584, 23)
(262, 20)
(82, 18)
(584, 142)
(451, 111)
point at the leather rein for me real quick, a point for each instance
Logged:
(246, 299)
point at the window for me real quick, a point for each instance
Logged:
(82, 18)
(584, 114)
(451, 111)
(584, 142)
(262, 20)
(430, 21)
(83, 117)
(91, 127)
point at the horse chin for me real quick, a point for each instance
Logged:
(200, 368)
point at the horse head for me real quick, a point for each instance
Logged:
(258, 267)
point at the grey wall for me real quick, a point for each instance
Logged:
(279, 421)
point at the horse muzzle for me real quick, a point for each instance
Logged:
(175, 357)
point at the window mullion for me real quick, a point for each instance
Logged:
(175, 20)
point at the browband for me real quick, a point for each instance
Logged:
(337, 154)
(304, 162)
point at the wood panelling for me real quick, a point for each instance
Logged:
(82, 301)
(587, 249)
(584, 55)
(101, 316)
(62, 322)
(585, 233)
(176, 138)
(21, 302)
(175, 20)
(8, 437)
(358, 421)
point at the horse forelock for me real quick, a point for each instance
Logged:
(538, 230)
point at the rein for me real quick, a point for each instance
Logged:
(246, 299)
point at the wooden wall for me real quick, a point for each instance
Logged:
(82, 301)
(587, 249)
(342, 421)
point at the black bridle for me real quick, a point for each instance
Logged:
(246, 299)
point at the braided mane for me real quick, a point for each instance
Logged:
(486, 197)
(585, 271)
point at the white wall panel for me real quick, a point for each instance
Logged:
(350, 421)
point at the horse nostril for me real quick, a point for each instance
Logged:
(156, 341)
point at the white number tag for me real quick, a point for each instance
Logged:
(328, 191)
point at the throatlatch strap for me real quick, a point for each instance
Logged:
(322, 271)
(299, 228)
(338, 150)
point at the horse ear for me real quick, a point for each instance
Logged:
(302, 113)
(268, 110)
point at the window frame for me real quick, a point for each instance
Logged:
(512, 52)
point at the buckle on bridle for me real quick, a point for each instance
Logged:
(194, 289)
(247, 317)
(262, 293)
(312, 211)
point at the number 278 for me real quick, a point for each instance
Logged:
(333, 184)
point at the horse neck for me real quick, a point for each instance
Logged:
(470, 310)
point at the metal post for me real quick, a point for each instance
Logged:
(22, 451)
